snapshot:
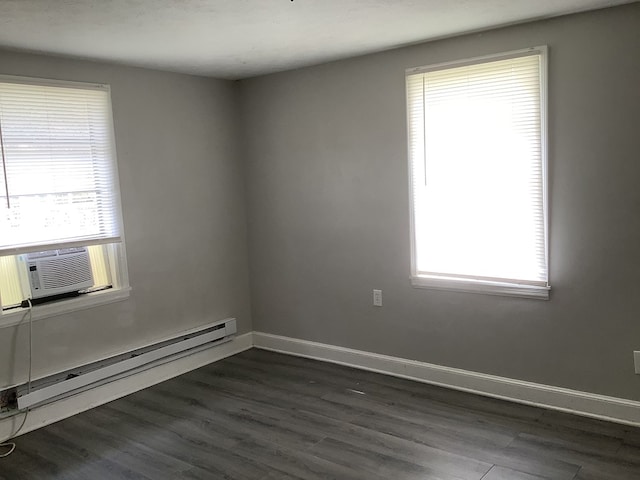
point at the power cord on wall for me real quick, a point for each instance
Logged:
(10, 445)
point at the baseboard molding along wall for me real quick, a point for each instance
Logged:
(556, 398)
(58, 410)
(581, 403)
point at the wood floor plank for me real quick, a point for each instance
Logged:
(460, 441)
(202, 446)
(279, 396)
(439, 460)
(74, 461)
(548, 446)
(502, 473)
(267, 416)
(567, 421)
(27, 464)
(126, 453)
(240, 424)
(299, 463)
(375, 463)
(607, 472)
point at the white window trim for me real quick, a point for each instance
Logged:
(468, 285)
(120, 290)
(16, 316)
(118, 263)
(481, 286)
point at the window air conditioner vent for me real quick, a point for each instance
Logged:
(55, 272)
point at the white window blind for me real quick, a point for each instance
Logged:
(58, 184)
(477, 162)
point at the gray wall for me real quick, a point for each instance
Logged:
(184, 216)
(328, 212)
(326, 177)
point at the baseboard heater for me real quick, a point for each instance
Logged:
(110, 369)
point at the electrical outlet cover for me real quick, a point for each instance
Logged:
(377, 298)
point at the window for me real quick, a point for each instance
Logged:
(477, 159)
(59, 186)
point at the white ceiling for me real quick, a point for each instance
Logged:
(243, 38)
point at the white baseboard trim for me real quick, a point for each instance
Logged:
(556, 398)
(66, 407)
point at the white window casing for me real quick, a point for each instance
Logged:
(58, 186)
(478, 167)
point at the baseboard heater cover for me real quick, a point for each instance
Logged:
(49, 389)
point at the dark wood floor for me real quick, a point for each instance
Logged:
(261, 415)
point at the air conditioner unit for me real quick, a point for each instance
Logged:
(56, 272)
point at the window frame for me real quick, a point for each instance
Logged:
(117, 262)
(478, 285)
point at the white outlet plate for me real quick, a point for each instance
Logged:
(636, 361)
(377, 298)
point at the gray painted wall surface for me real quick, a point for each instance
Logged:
(328, 212)
(184, 216)
(326, 176)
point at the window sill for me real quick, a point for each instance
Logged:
(14, 317)
(482, 287)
